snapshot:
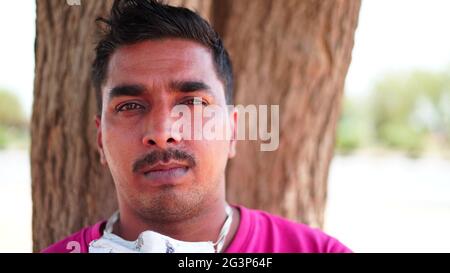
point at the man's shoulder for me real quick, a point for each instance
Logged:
(290, 236)
(265, 218)
(79, 241)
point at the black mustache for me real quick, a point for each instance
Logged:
(164, 156)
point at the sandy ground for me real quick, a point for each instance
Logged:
(375, 204)
(390, 204)
(15, 202)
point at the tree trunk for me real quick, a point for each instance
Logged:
(291, 53)
(294, 54)
(70, 188)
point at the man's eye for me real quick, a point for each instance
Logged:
(195, 101)
(129, 107)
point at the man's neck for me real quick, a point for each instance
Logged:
(203, 227)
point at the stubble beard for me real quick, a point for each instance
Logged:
(172, 204)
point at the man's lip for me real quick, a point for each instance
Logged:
(164, 167)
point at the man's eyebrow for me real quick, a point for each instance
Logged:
(132, 90)
(190, 86)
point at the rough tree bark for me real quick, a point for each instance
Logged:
(291, 53)
(70, 189)
(294, 54)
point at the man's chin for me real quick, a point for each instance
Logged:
(171, 204)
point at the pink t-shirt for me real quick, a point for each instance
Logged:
(258, 232)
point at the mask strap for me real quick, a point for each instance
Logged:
(111, 221)
(218, 245)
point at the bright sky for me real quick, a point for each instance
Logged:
(398, 35)
(392, 35)
(17, 32)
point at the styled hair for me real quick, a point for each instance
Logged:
(133, 21)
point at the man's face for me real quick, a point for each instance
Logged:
(160, 174)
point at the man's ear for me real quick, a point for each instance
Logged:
(98, 124)
(233, 125)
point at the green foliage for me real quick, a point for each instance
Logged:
(403, 112)
(353, 130)
(3, 138)
(400, 136)
(11, 113)
(13, 124)
(14, 137)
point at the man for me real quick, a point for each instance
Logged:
(171, 187)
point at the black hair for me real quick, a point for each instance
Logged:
(133, 21)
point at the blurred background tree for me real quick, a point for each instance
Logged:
(354, 128)
(405, 111)
(13, 123)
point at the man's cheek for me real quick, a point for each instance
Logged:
(116, 149)
(214, 152)
(119, 135)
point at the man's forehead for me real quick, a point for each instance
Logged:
(174, 58)
(173, 63)
(160, 52)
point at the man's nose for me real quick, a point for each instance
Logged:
(159, 131)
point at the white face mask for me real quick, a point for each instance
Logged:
(153, 242)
